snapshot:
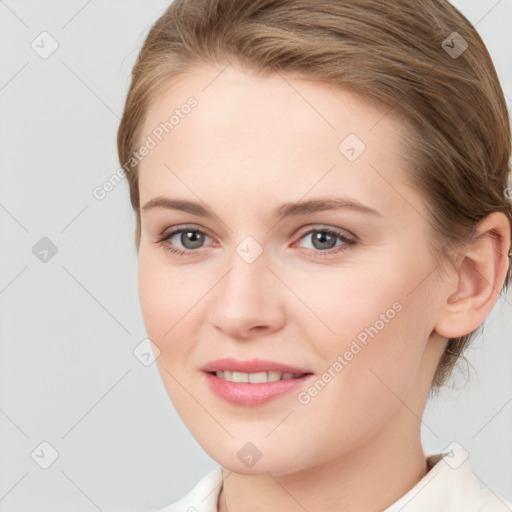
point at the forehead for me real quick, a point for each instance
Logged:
(268, 131)
(269, 97)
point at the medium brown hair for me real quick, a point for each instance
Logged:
(395, 53)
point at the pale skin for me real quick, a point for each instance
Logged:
(251, 144)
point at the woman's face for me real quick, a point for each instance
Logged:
(344, 294)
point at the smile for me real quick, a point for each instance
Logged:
(258, 377)
(252, 389)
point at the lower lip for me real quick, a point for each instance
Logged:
(244, 393)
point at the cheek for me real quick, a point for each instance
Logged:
(165, 300)
(370, 368)
(172, 300)
(370, 331)
(154, 299)
(340, 305)
(166, 295)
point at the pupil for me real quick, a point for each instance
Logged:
(192, 237)
(320, 236)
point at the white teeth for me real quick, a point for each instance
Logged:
(273, 376)
(256, 378)
(240, 377)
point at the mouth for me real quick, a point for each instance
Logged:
(256, 377)
(254, 382)
(227, 366)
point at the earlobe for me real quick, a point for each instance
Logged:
(480, 277)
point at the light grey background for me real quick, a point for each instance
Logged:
(69, 326)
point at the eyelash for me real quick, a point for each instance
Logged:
(347, 242)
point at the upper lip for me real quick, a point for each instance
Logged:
(250, 366)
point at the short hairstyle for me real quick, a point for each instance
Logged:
(421, 58)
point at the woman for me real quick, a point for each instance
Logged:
(323, 223)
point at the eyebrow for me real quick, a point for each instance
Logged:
(284, 210)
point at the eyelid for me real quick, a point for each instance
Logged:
(298, 234)
(325, 227)
(347, 238)
(183, 227)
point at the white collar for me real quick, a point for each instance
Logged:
(449, 486)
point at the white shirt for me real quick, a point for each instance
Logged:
(449, 486)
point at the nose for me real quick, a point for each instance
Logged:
(248, 300)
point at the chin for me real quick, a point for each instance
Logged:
(258, 458)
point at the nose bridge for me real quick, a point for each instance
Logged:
(246, 297)
(248, 277)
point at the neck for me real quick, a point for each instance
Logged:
(368, 479)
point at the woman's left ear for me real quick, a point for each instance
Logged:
(480, 277)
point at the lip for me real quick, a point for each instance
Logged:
(251, 366)
(246, 394)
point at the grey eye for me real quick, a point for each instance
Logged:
(191, 238)
(323, 239)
